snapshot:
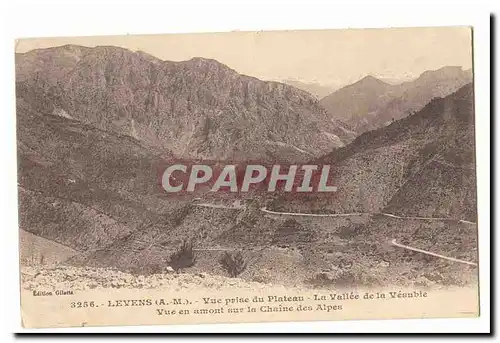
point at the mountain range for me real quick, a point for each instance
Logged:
(371, 103)
(198, 108)
(422, 165)
(315, 88)
(95, 126)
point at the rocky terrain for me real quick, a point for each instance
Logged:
(87, 278)
(422, 165)
(300, 251)
(81, 186)
(38, 251)
(194, 109)
(340, 254)
(77, 279)
(371, 103)
(96, 127)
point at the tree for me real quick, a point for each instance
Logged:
(233, 263)
(184, 257)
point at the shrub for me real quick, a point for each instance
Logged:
(233, 263)
(184, 257)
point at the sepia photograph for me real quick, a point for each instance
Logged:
(247, 176)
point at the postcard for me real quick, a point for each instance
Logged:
(247, 177)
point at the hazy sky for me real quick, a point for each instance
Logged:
(335, 57)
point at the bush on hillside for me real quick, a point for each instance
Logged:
(233, 263)
(183, 257)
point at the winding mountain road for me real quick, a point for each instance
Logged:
(221, 206)
(264, 209)
(393, 242)
(426, 218)
(299, 214)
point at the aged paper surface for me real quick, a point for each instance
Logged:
(247, 177)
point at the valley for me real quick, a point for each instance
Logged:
(97, 128)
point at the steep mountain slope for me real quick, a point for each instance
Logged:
(35, 250)
(422, 165)
(81, 186)
(96, 126)
(352, 102)
(316, 89)
(196, 109)
(371, 103)
(442, 180)
(383, 170)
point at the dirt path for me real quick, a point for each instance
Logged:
(240, 207)
(393, 242)
(425, 218)
(263, 209)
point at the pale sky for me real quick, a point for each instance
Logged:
(328, 57)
